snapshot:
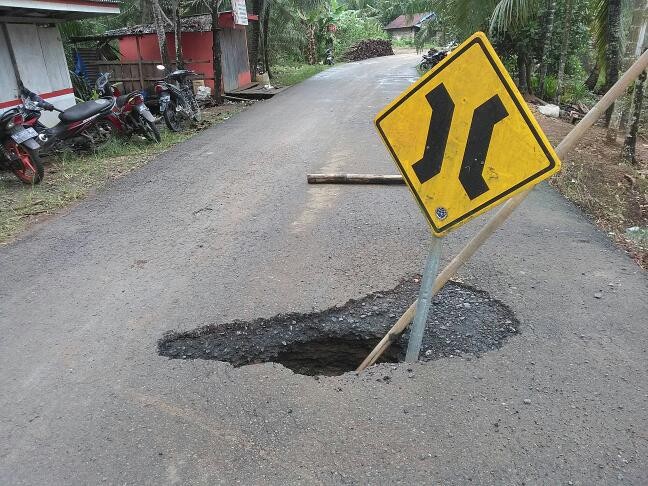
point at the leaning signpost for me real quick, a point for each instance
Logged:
(515, 194)
(464, 140)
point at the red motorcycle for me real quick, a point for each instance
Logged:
(134, 115)
(83, 127)
(19, 148)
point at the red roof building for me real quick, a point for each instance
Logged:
(406, 26)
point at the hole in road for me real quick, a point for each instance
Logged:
(331, 356)
(462, 321)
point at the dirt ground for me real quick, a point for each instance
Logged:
(594, 177)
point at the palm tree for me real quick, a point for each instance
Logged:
(548, 31)
(606, 30)
(564, 47)
(640, 38)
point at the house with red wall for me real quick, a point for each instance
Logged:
(140, 43)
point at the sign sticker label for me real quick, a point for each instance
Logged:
(464, 138)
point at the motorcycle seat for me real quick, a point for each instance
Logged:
(121, 100)
(86, 110)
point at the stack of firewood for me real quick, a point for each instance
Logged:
(367, 49)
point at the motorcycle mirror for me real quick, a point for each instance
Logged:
(160, 67)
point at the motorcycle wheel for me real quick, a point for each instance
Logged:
(150, 131)
(172, 118)
(97, 136)
(32, 170)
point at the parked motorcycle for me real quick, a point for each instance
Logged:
(83, 127)
(434, 57)
(19, 150)
(328, 57)
(134, 115)
(177, 102)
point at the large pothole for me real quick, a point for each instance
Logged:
(462, 321)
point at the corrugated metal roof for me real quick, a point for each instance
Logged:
(196, 23)
(406, 21)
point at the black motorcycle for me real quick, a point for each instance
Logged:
(328, 57)
(84, 127)
(434, 57)
(19, 148)
(176, 97)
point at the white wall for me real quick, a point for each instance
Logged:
(41, 64)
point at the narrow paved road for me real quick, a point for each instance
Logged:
(224, 227)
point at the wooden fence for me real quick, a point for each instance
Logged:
(138, 75)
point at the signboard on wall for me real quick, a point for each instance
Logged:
(240, 12)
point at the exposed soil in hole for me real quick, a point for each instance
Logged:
(462, 321)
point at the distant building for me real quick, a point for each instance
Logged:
(406, 26)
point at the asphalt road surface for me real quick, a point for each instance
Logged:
(225, 227)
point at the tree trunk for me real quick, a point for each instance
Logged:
(158, 20)
(253, 41)
(216, 57)
(549, 25)
(640, 37)
(177, 33)
(146, 11)
(564, 49)
(632, 51)
(529, 74)
(522, 78)
(613, 52)
(630, 143)
(592, 79)
(311, 48)
(266, 36)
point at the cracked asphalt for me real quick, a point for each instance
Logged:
(86, 295)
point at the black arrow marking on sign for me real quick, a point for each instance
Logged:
(481, 130)
(437, 137)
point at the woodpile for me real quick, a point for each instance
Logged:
(367, 49)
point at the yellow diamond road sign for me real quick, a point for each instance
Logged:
(464, 138)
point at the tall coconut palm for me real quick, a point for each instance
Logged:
(640, 41)
(564, 46)
(548, 31)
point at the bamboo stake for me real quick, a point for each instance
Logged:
(354, 179)
(509, 206)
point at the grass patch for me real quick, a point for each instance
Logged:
(293, 74)
(70, 177)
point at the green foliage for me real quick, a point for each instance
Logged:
(287, 75)
(353, 27)
(576, 91)
(551, 86)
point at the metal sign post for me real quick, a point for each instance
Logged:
(464, 141)
(424, 301)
